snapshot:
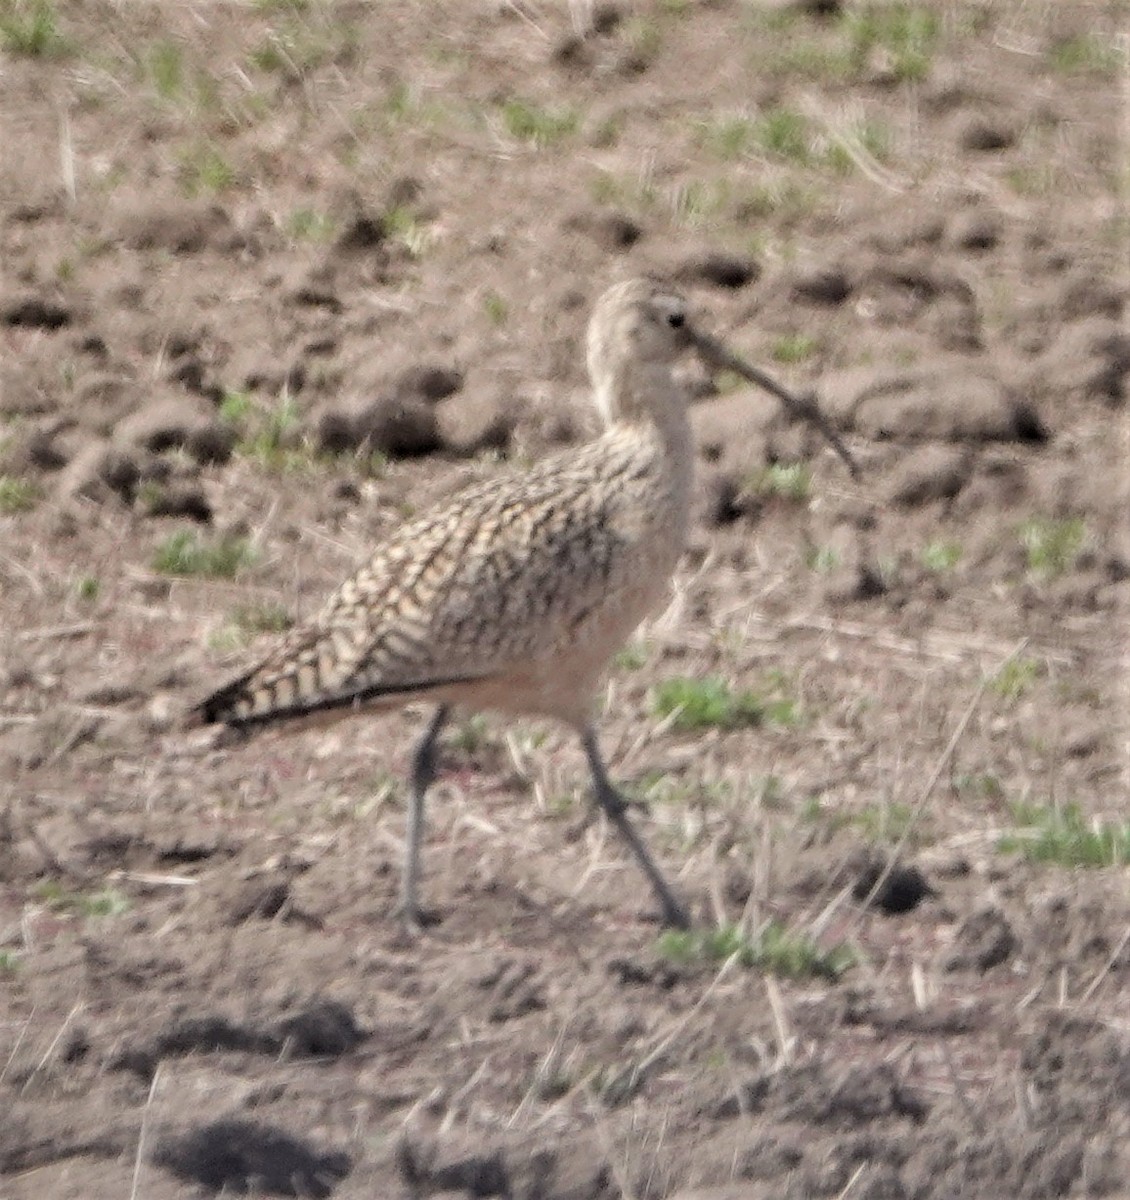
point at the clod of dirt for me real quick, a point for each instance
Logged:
(718, 269)
(730, 429)
(514, 988)
(901, 891)
(1090, 358)
(475, 1173)
(313, 289)
(608, 227)
(258, 899)
(822, 1095)
(974, 231)
(103, 398)
(906, 231)
(984, 134)
(176, 498)
(237, 1157)
(389, 424)
(984, 940)
(429, 382)
(477, 420)
(324, 1029)
(23, 391)
(949, 403)
(820, 285)
(35, 312)
(179, 226)
(101, 470)
(50, 448)
(930, 473)
(362, 231)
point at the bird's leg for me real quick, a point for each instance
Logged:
(423, 772)
(613, 804)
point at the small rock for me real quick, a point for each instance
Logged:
(907, 231)
(975, 231)
(1091, 357)
(175, 499)
(731, 431)
(611, 229)
(429, 382)
(362, 231)
(947, 403)
(390, 424)
(258, 899)
(722, 270)
(35, 312)
(820, 285)
(184, 227)
(52, 448)
(101, 467)
(178, 422)
(902, 888)
(930, 473)
(984, 940)
(470, 423)
(104, 398)
(981, 134)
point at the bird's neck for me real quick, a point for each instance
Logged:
(632, 393)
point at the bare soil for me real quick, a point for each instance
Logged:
(284, 272)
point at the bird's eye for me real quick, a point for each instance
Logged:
(676, 320)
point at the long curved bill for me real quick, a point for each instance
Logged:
(715, 355)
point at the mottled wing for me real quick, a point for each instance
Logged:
(511, 569)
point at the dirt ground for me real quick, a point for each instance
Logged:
(277, 274)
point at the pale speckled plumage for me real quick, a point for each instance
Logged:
(514, 595)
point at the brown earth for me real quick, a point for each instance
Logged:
(286, 271)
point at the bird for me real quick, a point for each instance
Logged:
(515, 594)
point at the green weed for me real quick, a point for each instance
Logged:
(183, 553)
(496, 308)
(31, 28)
(472, 734)
(1086, 54)
(204, 169)
(1064, 836)
(704, 703)
(1052, 545)
(401, 225)
(884, 822)
(941, 556)
(789, 481)
(775, 949)
(9, 962)
(540, 126)
(1016, 677)
(632, 657)
(984, 786)
(106, 902)
(301, 44)
(306, 224)
(236, 407)
(728, 137)
(822, 559)
(269, 436)
(712, 703)
(784, 133)
(87, 588)
(17, 495)
(906, 34)
(164, 66)
(794, 348)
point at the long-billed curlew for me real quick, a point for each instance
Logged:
(515, 595)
